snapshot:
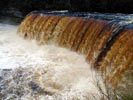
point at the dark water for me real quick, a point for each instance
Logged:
(104, 16)
(122, 19)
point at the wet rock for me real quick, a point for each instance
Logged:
(35, 87)
(38, 89)
(1, 78)
(6, 70)
(0, 89)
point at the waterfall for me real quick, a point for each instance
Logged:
(107, 46)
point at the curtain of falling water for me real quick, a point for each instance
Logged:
(108, 47)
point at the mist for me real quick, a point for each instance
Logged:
(59, 72)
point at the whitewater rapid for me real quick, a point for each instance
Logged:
(59, 72)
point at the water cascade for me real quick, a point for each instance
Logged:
(108, 46)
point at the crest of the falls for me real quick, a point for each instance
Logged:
(107, 45)
(63, 55)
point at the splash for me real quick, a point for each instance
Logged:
(107, 45)
(32, 72)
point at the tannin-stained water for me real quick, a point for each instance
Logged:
(48, 72)
(106, 44)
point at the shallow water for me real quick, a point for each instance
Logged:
(58, 73)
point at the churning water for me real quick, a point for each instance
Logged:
(32, 72)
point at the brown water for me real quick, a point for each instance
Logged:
(107, 46)
(59, 74)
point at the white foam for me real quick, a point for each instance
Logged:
(67, 69)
